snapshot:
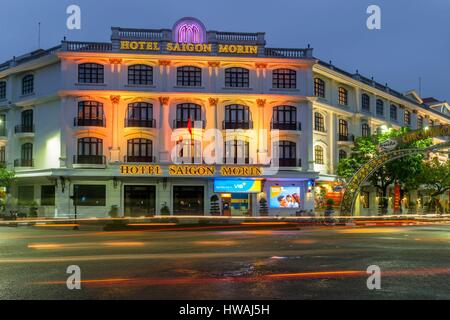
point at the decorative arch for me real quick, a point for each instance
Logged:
(189, 30)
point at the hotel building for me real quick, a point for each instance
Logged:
(127, 126)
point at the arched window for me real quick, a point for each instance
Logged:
(140, 150)
(90, 113)
(27, 119)
(287, 153)
(319, 122)
(189, 76)
(188, 151)
(284, 79)
(140, 115)
(343, 96)
(237, 152)
(342, 155)
(319, 88)
(393, 112)
(365, 130)
(26, 159)
(140, 74)
(419, 122)
(284, 118)
(318, 155)
(187, 112)
(189, 33)
(90, 151)
(91, 73)
(237, 117)
(236, 78)
(407, 118)
(28, 84)
(380, 107)
(365, 102)
(2, 90)
(343, 130)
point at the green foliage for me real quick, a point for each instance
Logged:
(6, 177)
(165, 211)
(435, 175)
(215, 206)
(263, 209)
(330, 204)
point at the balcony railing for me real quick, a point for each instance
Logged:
(237, 125)
(288, 162)
(177, 124)
(24, 129)
(83, 122)
(140, 123)
(23, 163)
(82, 159)
(344, 138)
(140, 159)
(237, 160)
(295, 126)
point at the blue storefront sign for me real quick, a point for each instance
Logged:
(237, 186)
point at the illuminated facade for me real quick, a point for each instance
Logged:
(127, 126)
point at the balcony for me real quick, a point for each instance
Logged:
(24, 131)
(289, 163)
(237, 125)
(140, 123)
(139, 159)
(23, 163)
(84, 122)
(293, 126)
(346, 138)
(237, 160)
(89, 160)
(179, 124)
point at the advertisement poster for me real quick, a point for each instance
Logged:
(285, 197)
(237, 186)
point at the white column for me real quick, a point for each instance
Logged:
(262, 143)
(115, 149)
(306, 150)
(331, 133)
(165, 131)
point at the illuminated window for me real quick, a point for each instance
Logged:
(319, 88)
(140, 74)
(90, 195)
(365, 130)
(28, 84)
(319, 122)
(236, 78)
(318, 155)
(237, 152)
(189, 33)
(287, 153)
(365, 102)
(140, 115)
(140, 150)
(2, 90)
(284, 79)
(393, 112)
(90, 113)
(419, 122)
(237, 117)
(343, 96)
(187, 112)
(342, 155)
(189, 76)
(380, 107)
(407, 118)
(189, 151)
(284, 118)
(91, 73)
(343, 130)
(90, 151)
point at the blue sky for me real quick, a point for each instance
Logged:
(413, 42)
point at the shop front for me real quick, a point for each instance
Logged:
(238, 195)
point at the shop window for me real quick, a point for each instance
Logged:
(47, 195)
(25, 195)
(90, 195)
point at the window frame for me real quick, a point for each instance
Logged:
(343, 96)
(393, 112)
(365, 102)
(379, 104)
(284, 78)
(189, 76)
(27, 84)
(319, 122)
(91, 73)
(99, 197)
(237, 77)
(3, 89)
(319, 155)
(319, 88)
(140, 75)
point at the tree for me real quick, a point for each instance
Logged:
(6, 179)
(435, 176)
(403, 171)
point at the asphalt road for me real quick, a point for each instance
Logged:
(312, 263)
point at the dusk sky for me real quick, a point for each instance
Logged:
(413, 41)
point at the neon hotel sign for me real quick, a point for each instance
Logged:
(192, 170)
(189, 35)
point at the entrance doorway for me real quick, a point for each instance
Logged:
(188, 200)
(140, 201)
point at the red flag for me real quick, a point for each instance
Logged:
(189, 126)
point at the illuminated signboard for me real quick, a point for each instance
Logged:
(237, 186)
(241, 171)
(152, 170)
(284, 197)
(191, 170)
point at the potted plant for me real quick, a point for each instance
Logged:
(215, 207)
(33, 213)
(329, 209)
(263, 209)
(114, 211)
(165, 211)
